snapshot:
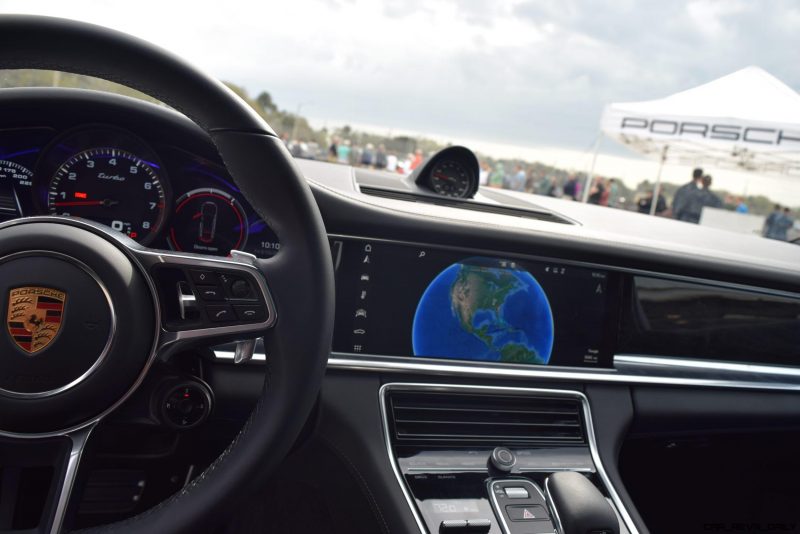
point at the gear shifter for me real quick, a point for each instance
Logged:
(578, 506)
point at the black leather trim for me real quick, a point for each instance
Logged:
(350, 421)
(612, 413)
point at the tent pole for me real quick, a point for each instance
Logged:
(590, 176)
(657, 188)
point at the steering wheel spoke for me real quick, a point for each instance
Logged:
(206, 300)
(32, 500)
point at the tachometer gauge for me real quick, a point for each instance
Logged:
(208, 221)
(113, 187)
(12, 173)
(450, 178)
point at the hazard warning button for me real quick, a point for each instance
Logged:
(533, 512)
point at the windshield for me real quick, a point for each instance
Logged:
(680, 110)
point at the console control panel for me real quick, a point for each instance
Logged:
(521, 506)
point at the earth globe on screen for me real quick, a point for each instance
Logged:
(484, 309)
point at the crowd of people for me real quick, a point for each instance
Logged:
(376, 157)
(604, 191)
(690, 199)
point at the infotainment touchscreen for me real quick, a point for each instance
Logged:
(428, 302)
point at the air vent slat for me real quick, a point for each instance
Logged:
(467, 205)
(455, 418)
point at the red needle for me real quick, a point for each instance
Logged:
(80, 203)
(443, 176)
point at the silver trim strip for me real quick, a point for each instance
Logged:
(399, 386)
(634, 363)
(79, 440)
(483, 470)
(631, 371)
(552, 505)
(111, 330)
(392, 460)
(230, 355)
(498, 512)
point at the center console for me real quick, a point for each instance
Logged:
(474, 459)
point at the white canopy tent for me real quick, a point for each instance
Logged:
(748, 121)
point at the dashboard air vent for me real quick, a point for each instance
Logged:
(539, 215)
(453, 419)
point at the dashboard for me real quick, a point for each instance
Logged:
(550, 308)
(144, 183)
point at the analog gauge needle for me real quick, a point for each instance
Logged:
(444, 177)
(107, 202)
(208, 222)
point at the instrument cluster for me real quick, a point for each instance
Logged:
(164, 197)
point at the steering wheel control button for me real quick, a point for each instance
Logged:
(186, 405)
(515, 492)
(240, 289)
(210, 293)
(503, 459)
(250, 313)
(532, 512)
(203, 277)
(220, 313)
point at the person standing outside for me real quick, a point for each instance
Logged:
(597, 191)
(333, 150)
(781, 225)
(683, 194)
(391, 163)
(613, 193)
(497, 176)
(769, 223)
(516, 181)
(483, 174)
(695, 199)
(709, 198)
(416, 161)
(343, 152)
(380, 157)
(368, 156)
(571, 187)
(741, 206)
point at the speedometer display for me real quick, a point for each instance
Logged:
(113, 187)
(13, 173)
(450, 178)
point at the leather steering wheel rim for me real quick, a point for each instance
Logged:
(300, 276)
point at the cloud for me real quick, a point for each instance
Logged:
(519, 71)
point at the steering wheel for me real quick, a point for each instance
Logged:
(90, 310)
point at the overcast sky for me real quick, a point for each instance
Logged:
(516, 71)
(520, 72)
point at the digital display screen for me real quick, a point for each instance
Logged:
(428, 302)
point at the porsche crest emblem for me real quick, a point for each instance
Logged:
(34, 316)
